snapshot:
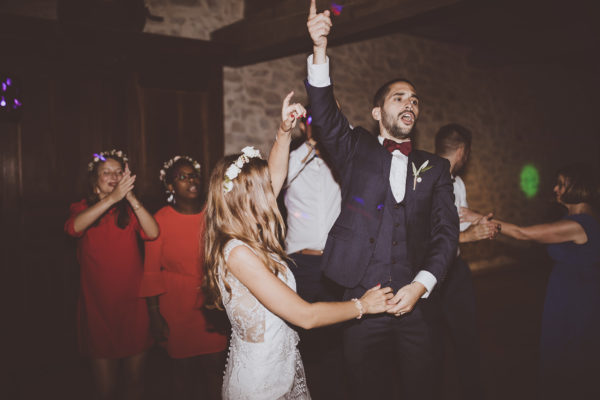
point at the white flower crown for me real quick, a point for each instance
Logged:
(103, 155)
(235, 168)
(167, 165)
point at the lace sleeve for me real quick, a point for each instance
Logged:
(246, 313)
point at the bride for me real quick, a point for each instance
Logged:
(246, 272)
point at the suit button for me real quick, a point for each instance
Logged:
(397, 224)
(371, 240)
(396, 206)
(393, 261)
(394, 243)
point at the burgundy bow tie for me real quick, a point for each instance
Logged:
(404, 147)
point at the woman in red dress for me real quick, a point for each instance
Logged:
(113, 319)
(173, 272)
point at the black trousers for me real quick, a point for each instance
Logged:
(392, 357)
(456, 298)
(321, 348)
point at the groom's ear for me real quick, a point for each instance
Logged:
(376, 113)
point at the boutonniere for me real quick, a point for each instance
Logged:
(417, 172)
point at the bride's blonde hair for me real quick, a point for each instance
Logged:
(249, 213)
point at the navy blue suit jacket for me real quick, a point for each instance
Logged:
(364, 167)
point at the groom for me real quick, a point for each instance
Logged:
(398, 226)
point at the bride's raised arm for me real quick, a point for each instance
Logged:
(280, 152)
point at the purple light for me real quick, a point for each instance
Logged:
(359, 200)
(100, 156)
(2, 102)
(3, 87)
(8, 81)
(17, 103)
(309, 120)
(336, 9)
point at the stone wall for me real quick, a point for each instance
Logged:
(519, 115)
(194, 19)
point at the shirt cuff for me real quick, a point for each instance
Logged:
(318, 74)
(427, 279)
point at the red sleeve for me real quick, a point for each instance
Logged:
(74, 211)
(152, 282)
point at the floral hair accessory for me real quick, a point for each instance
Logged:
(167, 166)
(103, 155)
(235, 168)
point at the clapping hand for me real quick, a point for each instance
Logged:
(124, 187)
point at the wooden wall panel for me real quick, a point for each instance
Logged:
(73, 109)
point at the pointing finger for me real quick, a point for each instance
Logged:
(313, 8)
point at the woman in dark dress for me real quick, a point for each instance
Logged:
(570, 341)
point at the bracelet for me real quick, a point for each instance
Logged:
(358, 305)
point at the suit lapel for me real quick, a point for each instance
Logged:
(414, 158)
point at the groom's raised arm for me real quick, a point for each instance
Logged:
(334, 131)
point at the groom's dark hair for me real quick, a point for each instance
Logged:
(384, 90)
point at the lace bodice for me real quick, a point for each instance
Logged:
(263, 361)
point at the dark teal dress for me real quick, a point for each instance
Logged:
(570, 342)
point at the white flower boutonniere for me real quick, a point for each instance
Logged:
(417, 172)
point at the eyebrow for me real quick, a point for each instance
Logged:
(403, 92)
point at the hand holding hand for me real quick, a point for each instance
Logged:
(290, 113)
(467, 215)
(124, 187)
(375, 300)
(318, 25)
(405, 299)
(484, 230)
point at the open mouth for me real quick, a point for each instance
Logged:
(193, 189)
(407, 117)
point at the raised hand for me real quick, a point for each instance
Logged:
(319, 26)
(124, 187)
(375, 300)
(290, 113)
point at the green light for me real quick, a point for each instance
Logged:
(530, 180)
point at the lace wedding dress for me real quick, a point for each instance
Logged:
(263, 361)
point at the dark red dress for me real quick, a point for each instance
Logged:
(112, 318)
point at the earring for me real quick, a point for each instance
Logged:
(171, 198)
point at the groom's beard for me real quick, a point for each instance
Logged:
(394, 128)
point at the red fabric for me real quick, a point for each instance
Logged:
(173, 271)
(404, 147)
(112, 318)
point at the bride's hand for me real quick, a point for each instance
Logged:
(374, 300)
(290, 113)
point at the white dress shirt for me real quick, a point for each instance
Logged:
(460, 199)
(313, 200)
(318, 76)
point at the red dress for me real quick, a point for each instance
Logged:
(112, 318)
(173, 270)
